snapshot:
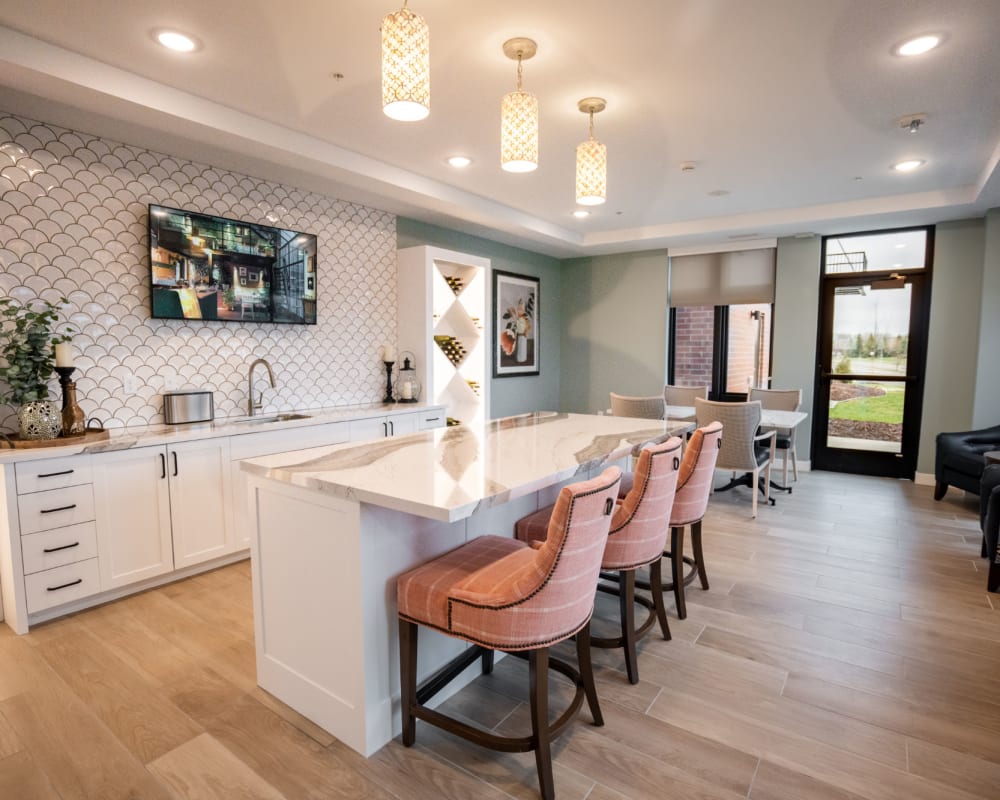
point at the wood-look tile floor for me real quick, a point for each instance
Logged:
(847, 649)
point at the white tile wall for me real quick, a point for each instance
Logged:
(73, 224)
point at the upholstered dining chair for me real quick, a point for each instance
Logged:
(642, 407)
(637, 539)
(782, 400)
(683, 395)
(744, 449)
(694, 486)
(502, 594)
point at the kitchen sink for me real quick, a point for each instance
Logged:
(273, 418)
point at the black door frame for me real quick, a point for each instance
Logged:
(868, 462)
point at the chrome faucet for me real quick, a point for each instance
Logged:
(253, 407)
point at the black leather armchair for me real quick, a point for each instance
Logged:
(989, 514)
(959, 461)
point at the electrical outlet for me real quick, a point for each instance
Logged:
(131, 384)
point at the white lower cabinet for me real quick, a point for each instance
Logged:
(133, 515)
(162, 508)
(383, 427)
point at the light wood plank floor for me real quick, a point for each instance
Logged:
(847, 650)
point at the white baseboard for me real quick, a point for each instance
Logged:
(924, 479)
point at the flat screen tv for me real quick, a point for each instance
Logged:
(211, 268)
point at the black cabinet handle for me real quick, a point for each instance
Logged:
(175, 462)
(163, 466)
(392, 428)
(57, 549)
(64, 585)
(385, 429)
(55, 474)
(54, 510)
(431, 419)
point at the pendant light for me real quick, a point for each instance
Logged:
(591, 160)
(406, 66)
(519, 116)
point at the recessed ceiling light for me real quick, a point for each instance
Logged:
(460, 161)
(918, 46)
(580, 213)
(908, 166)
(174, 40)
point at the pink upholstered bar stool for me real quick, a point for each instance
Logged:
(502, 594)
(637, 538)
(694, 486)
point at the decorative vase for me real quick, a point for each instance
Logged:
(522, 349)
(39, 419)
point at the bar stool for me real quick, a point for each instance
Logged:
(637, 538)
(694, 485)
(502, 594)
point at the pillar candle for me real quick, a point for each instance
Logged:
(64, 355)
(388, 353)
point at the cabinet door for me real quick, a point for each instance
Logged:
(132, 515)
(372, 428)
(201, 500)
(402, 424)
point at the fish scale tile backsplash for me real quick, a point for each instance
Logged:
(73, 224)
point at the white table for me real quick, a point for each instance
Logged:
(334, 526)
(769, 417)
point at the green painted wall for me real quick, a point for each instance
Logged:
(509, 395)
(796, 316)
(614, 336)
(986, 405)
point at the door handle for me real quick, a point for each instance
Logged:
(163, 466)
(174, 453)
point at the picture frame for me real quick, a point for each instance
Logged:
(516, 325)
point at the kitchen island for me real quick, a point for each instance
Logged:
(334, 526)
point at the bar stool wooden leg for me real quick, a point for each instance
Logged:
(538, 669)
(677, 569)
(586, 668)
(626, 603)
(699, 558)
(656, 589)
(408, 679)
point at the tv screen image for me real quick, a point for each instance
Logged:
(212, 268)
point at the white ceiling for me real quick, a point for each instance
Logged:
(785, 104)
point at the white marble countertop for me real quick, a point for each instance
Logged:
(151, 435)
(450, 473)
(769, 417)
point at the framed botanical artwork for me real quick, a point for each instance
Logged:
(516, 329)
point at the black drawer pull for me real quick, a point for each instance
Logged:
(55, 474)
(431, 419)
(163, 466)
(174, 454)
(54, 510)
(57, 549)
(64, 585)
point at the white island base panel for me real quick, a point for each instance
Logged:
(325, 601)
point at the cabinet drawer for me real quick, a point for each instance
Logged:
(54, 587)
(56, 508)
(432, 419)
(41, 551)
(52, 473)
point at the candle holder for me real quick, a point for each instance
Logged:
(73, 421)
(388, 382)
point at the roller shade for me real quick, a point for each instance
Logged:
(722, 279)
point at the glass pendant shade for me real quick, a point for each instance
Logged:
(406, 66)
(591, 173)
(519, 132)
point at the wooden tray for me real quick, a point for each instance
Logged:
(13, 440)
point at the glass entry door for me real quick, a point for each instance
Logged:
(870, 375)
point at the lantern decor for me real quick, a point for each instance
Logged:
(407, 385)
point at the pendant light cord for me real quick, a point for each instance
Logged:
(519, 55)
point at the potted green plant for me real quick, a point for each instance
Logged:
(27, 341)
